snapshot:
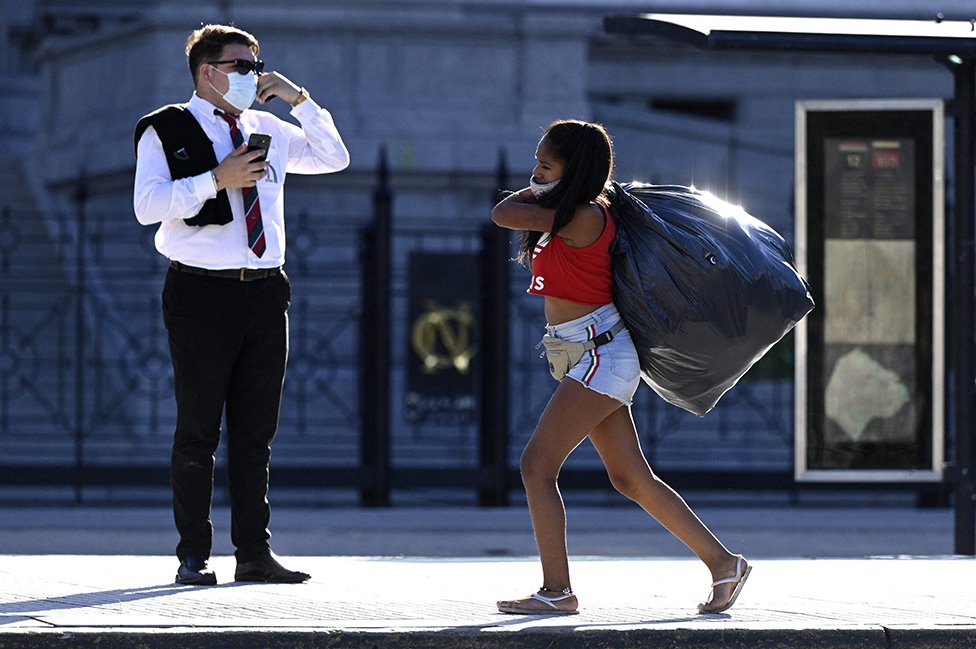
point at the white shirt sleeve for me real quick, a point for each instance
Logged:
(157, 197)
(317, 147)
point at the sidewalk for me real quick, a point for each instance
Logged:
(128, 601)
(635, 589)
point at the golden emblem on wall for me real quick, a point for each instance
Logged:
(441, 337)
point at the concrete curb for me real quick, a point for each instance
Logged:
(860, 638)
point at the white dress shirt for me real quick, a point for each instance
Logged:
(314, 148)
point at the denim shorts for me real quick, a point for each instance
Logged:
(611, 369)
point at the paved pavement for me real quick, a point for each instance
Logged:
(428, 577)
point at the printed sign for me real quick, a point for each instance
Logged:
(443, 323)
(870, 374)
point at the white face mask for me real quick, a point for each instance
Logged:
(241, 89)
(538, 189)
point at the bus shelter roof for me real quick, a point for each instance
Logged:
(955, 43)
(709, 31)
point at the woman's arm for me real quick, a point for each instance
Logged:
(520, 211)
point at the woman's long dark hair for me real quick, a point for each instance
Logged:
(586, 152)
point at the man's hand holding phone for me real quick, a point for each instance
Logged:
(245, 165)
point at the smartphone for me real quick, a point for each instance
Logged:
(259, 141)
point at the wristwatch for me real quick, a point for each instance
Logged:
(301, 97)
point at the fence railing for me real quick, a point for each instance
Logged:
(86, 380)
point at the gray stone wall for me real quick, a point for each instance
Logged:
(446, 86)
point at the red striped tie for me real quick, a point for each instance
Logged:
(252, 206)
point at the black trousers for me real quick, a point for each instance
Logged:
(229, 344)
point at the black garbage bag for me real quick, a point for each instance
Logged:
(704, 288)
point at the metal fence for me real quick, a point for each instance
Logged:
(86, 380)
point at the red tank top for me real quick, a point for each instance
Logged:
(576, 274)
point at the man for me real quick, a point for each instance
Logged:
(225, 298)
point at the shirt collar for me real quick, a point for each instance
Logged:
(205, 109)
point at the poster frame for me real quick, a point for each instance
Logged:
(841, 109)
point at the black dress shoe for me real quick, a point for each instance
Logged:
(266, 569)
(195, 572)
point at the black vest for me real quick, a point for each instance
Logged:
(189, 152)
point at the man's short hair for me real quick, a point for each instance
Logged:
(206, 44)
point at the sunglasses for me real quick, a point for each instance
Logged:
(243, 66)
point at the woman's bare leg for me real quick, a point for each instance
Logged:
(615, 439)
(572, 413)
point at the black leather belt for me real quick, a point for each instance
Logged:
(240, 274)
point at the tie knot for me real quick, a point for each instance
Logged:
(227, 118)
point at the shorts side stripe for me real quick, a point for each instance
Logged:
(594, 357)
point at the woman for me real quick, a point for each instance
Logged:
(567, 232)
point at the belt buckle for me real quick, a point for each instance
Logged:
(242, 274)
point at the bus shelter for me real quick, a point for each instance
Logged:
(870, 190)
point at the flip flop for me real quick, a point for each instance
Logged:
(548, 601)
(739, 577)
